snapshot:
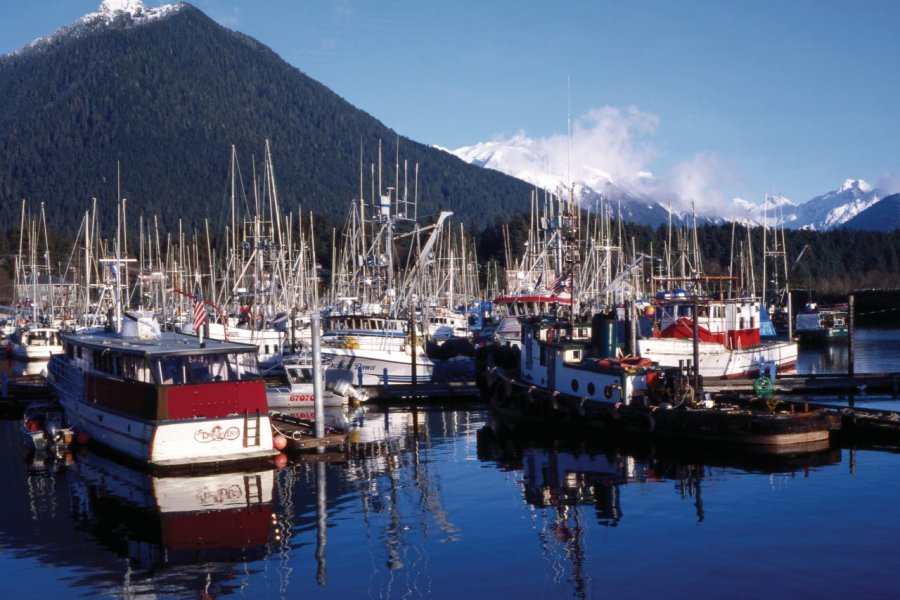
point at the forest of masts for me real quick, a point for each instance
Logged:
(382, 259)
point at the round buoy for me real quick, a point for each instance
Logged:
(280, 442)
(281, 461)
(83, 438)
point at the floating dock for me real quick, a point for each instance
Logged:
(823, 383)
(301, 434)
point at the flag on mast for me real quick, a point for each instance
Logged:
(199, 309)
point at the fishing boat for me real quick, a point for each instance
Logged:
(822, 324)
(164, 399)
(372, 350)
(569, 375)
(297, 390)
(34, 343)
(728, 336)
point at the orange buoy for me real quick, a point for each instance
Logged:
(280, 442)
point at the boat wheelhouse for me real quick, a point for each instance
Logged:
(34, 343)
(165, 399)
(819, 324)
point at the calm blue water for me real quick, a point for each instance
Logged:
(432, 503)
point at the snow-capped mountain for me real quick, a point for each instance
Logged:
(836, 207)
(124, 13)
(520, 158)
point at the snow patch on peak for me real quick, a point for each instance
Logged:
(122, 13)
(857, 184)
(133, 10)
(132, 7)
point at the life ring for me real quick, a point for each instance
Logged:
(608, 392)
(550, 336)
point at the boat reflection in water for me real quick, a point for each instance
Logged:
(179, 533)
(560, 476)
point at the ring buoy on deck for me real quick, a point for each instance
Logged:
(550, 336)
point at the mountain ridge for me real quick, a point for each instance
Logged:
(164, 102)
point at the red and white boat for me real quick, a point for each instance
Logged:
(728, 332)
(164, 399)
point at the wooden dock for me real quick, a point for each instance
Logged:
(824, 383)
(301, 435)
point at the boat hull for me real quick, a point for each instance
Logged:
(718, 361)
(721, 424)
(370, 368)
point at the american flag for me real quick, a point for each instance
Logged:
(199, 308)
(561, 283)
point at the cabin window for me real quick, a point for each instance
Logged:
(132, 368)
(574, 385)
(171, 370)
(102, 360)
(70, 351)
(543, 356)
(78, 352)
(590, 388)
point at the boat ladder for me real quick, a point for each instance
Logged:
(252, 489)
(251, 429)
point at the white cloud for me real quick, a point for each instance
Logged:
(610, 144)
(700, 180)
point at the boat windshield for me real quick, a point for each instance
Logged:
(206, 368)
(299, 374)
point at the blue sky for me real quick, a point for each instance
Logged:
(734, 98)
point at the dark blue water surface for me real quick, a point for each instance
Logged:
(443, 503)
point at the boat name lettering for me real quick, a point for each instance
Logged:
(208, 497)
(302, 398)
(217, 434)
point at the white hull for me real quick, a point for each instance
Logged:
(715, 359)
(299, 397)
(368, 368)
(20, 352)
(200, 441)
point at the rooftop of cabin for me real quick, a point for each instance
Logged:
(167, 344)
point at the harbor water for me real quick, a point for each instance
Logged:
(444, 502)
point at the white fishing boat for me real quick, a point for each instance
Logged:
(298, 393)
(164, 399)
(34, 343)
